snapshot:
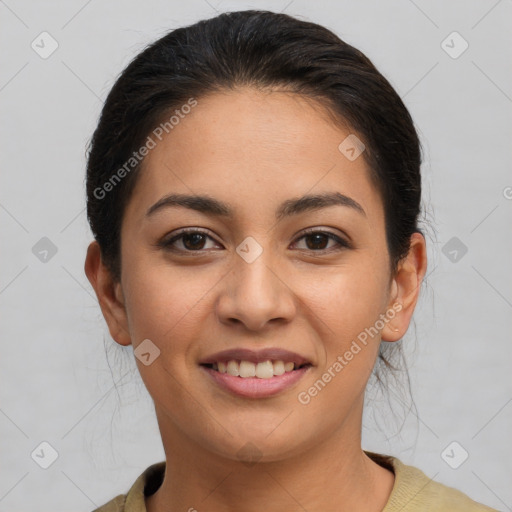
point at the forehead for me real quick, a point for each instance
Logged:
(252, 148)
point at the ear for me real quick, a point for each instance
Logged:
(109, 293)
(405, 289)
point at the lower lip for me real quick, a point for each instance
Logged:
(253, 387)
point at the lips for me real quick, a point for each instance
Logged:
(263, 363)
(256, 374)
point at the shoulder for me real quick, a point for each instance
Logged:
(116, 504)
(415, 491)
(133, 501)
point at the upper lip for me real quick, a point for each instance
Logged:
(256, 356)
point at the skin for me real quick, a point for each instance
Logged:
(254, 150)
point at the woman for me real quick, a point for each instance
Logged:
(254, 190)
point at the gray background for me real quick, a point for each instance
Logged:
(56, 382)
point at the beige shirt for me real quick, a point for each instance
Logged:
(412, 491)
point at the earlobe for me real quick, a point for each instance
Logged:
(405, 289)
(109, 294)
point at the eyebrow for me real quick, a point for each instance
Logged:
(211, 206)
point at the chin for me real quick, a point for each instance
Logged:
(260, 443)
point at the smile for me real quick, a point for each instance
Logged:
(255, 374)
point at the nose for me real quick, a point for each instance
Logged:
(256, 294)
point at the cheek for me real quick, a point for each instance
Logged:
(168, 307)
(347, 307)
(348, 300)
(164, 304)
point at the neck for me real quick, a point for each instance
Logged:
(335, 470)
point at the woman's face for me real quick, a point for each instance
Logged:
(253, 286)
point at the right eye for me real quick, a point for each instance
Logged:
(187, 240)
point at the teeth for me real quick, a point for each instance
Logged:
(247, 369)
(278, 367)
(265, 370)
(232, 368)
(262, 370)
(288, 367)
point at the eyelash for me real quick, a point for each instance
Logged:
(342, 244)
